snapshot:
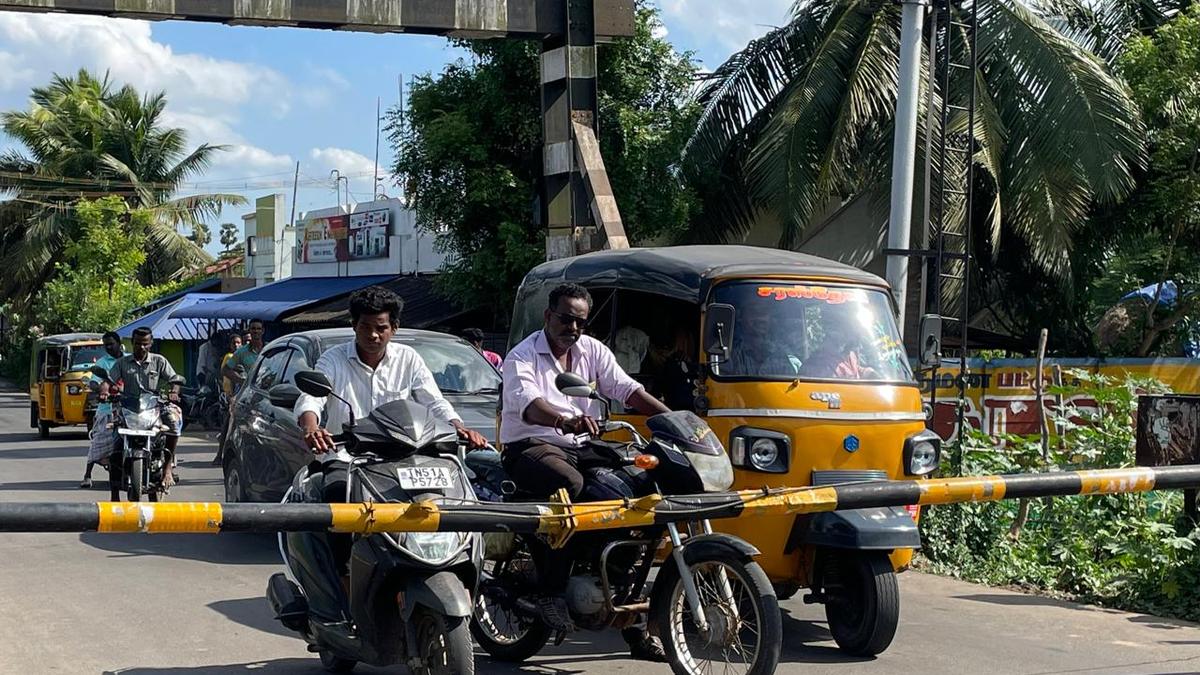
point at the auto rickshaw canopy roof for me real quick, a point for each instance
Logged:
(686, 272)
(68, 339)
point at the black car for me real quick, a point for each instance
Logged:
(264, 447)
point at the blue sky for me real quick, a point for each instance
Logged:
(278, 95)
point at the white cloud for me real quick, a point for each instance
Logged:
(359, 168)
(726, 26)
(34, 45)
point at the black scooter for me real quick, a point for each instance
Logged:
(408, 596)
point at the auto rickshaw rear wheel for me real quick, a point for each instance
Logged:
(43, 430)
(862, 601)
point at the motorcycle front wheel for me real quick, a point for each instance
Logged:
(135, 480)
(743, 632)
(443, 644)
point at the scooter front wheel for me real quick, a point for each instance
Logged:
(741, 631)
(443, 644)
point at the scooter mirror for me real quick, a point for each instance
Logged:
(574, 385)
(314, 383)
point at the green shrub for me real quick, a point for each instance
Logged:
(1133, 551)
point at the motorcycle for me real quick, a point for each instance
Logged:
(711, 604)
(407, 599)
(140, 455)
(203, 406)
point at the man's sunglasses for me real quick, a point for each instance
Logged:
(570, 319)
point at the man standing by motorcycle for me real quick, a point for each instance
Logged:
(238, 366)
(102, 439)
(143, 372)
(368, 372)
(542, 430)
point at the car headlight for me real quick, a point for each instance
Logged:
(922, 453)
(760, 450)
(433, 547)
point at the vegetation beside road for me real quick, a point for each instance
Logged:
(1135, 552)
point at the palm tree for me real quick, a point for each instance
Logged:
(804, 117)
(84, 139)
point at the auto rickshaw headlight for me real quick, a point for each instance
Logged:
(922, 453)
(760, 450)
(74, 389)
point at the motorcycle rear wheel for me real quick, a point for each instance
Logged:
(520, 638)
(443, 644)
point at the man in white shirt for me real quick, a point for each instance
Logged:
(369, 372)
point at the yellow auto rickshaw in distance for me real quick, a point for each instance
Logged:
(59, 395)
(796, 363)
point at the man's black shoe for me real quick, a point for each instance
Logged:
(643, 646)
(553, 609)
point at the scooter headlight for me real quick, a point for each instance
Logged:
(433, 547)
(922, 453)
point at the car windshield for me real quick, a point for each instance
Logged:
(788, 331)
(85, 357)
(456, 366)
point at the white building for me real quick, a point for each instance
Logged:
(269, 240)
(370, 238)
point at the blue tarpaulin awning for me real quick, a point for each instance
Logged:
(272, 301)
(1166, 297)
(165, 327)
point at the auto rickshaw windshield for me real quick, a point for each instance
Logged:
(788, 331)
(84, 357)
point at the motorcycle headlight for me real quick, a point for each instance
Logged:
(715, 471)
(922, 453)
(761, 450)
(433, 547)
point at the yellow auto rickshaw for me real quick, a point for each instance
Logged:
(797, 364)
(59, 395)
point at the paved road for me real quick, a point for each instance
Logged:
(92, 603)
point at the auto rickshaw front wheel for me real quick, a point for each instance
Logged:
(862, 601)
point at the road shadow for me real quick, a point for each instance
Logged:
(56, 451)
(277, 667)
(231, 548)
(799, 636)
(56, 485)
(1163, 623)
(252, 613)
(1026, 600)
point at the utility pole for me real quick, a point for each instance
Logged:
(904, 150)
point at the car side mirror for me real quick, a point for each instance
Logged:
(284, 395)
(718, 331)
(931, 340)
(314, 383)
(574, 385)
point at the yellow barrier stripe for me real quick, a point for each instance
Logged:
(798, 501)
(1110, 481)
(385, 517)
(201, 517)
(951, 490)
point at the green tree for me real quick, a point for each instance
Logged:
(96, 286)
(82, 139)
(472, 175)
(804, 117)
(229, 236)
(1161, 222)
(201, 235)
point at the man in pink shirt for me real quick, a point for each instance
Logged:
(475, 337)
(543, 430)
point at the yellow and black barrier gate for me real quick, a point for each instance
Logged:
(560, 519)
